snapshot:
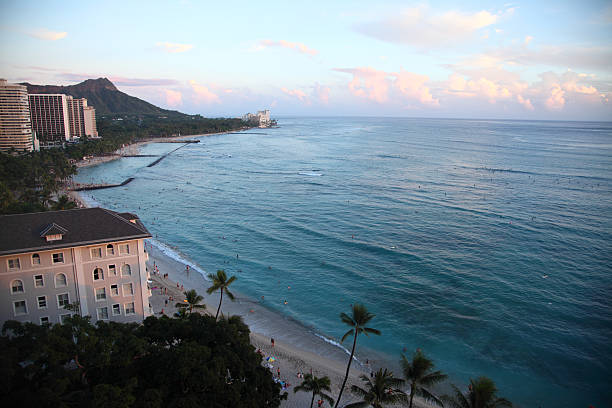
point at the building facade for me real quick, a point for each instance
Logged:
(89, 118)
(92, 256)
(50, 118)
(76, 119)
(15, 125)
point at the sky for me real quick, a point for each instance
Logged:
(547, 60)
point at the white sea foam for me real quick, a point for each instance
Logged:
(172, 253)
(309, 173)
(340, 346)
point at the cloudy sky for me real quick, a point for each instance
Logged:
(522, 60)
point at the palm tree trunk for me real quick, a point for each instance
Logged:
(412, 388)
(348, 367)
(220, 300)
(312, 401)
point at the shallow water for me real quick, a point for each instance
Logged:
(488, 244)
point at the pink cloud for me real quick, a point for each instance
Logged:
(299, 94)
(203, 94)
(321, 93)
(525, 102)
(173, 48)
(556, 100)
(368, 83)
(299, 47)
(413, 86)
(173, 98)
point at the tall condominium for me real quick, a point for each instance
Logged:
(15, 126)
(89, 116)
(75, 116)
(50, 118)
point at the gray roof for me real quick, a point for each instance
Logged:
(83, 226)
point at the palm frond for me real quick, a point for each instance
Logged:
(229, 294)
(348, 333)
(358, 390)
(502, 402)
(371, 330)
(347, 319)
(362, 404)
(425, 393)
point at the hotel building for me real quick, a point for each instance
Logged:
(92, 256)
(15, 126)
(50, 118)
(89, 120)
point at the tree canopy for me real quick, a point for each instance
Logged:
(190, 362)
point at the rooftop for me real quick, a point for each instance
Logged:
(84, 226)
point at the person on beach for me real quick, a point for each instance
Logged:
(272, 341)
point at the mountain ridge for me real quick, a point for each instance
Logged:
(104, 96)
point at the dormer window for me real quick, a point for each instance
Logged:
(53, 232)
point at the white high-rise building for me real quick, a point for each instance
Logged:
(15, 125)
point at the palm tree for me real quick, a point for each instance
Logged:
(360, 318)
(315, 385)
(419, 375)
(482, 393)
(220, 281)
(193, 301)
(379, 393)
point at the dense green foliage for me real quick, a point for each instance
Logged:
(379, 391)
(194, 361)
(28, 181)
(482, 393)
(317, 386)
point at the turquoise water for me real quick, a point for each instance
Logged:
(488, 244)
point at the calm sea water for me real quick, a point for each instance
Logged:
(488, 244)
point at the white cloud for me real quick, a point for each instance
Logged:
(299, 47)
(47, 35)
(173, 98)
(420, 27)
(174, 47)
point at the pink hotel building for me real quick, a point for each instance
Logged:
(92, 256)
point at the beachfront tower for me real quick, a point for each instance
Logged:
(50, 118)
(15, 126)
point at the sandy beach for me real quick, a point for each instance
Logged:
(289, 358)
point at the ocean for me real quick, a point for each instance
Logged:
(486, 243)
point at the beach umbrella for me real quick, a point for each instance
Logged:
(270, 359)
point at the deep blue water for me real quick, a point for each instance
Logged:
(488, 244)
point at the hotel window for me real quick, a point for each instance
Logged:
(42, 302)
(114, 290)
(20, 307)
(17, 286)
(60, 280)
(102, 313)
(39, 281)
(98, 274)
(44, 320)
(124, 249)
(35, 259)
(96, 253)
(128, 289)
(112, 270)
(63, 318)
(126, 270)
(58, 258)
(116, 309)
(63, 300)
(129, 309)
(110, 250)
(14, 263)
(100, 294)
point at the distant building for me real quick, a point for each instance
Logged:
(15, 126)
(89, 119)
(92, 256)
(50, 118)
(261, 118)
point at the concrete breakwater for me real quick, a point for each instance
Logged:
(87, 187)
